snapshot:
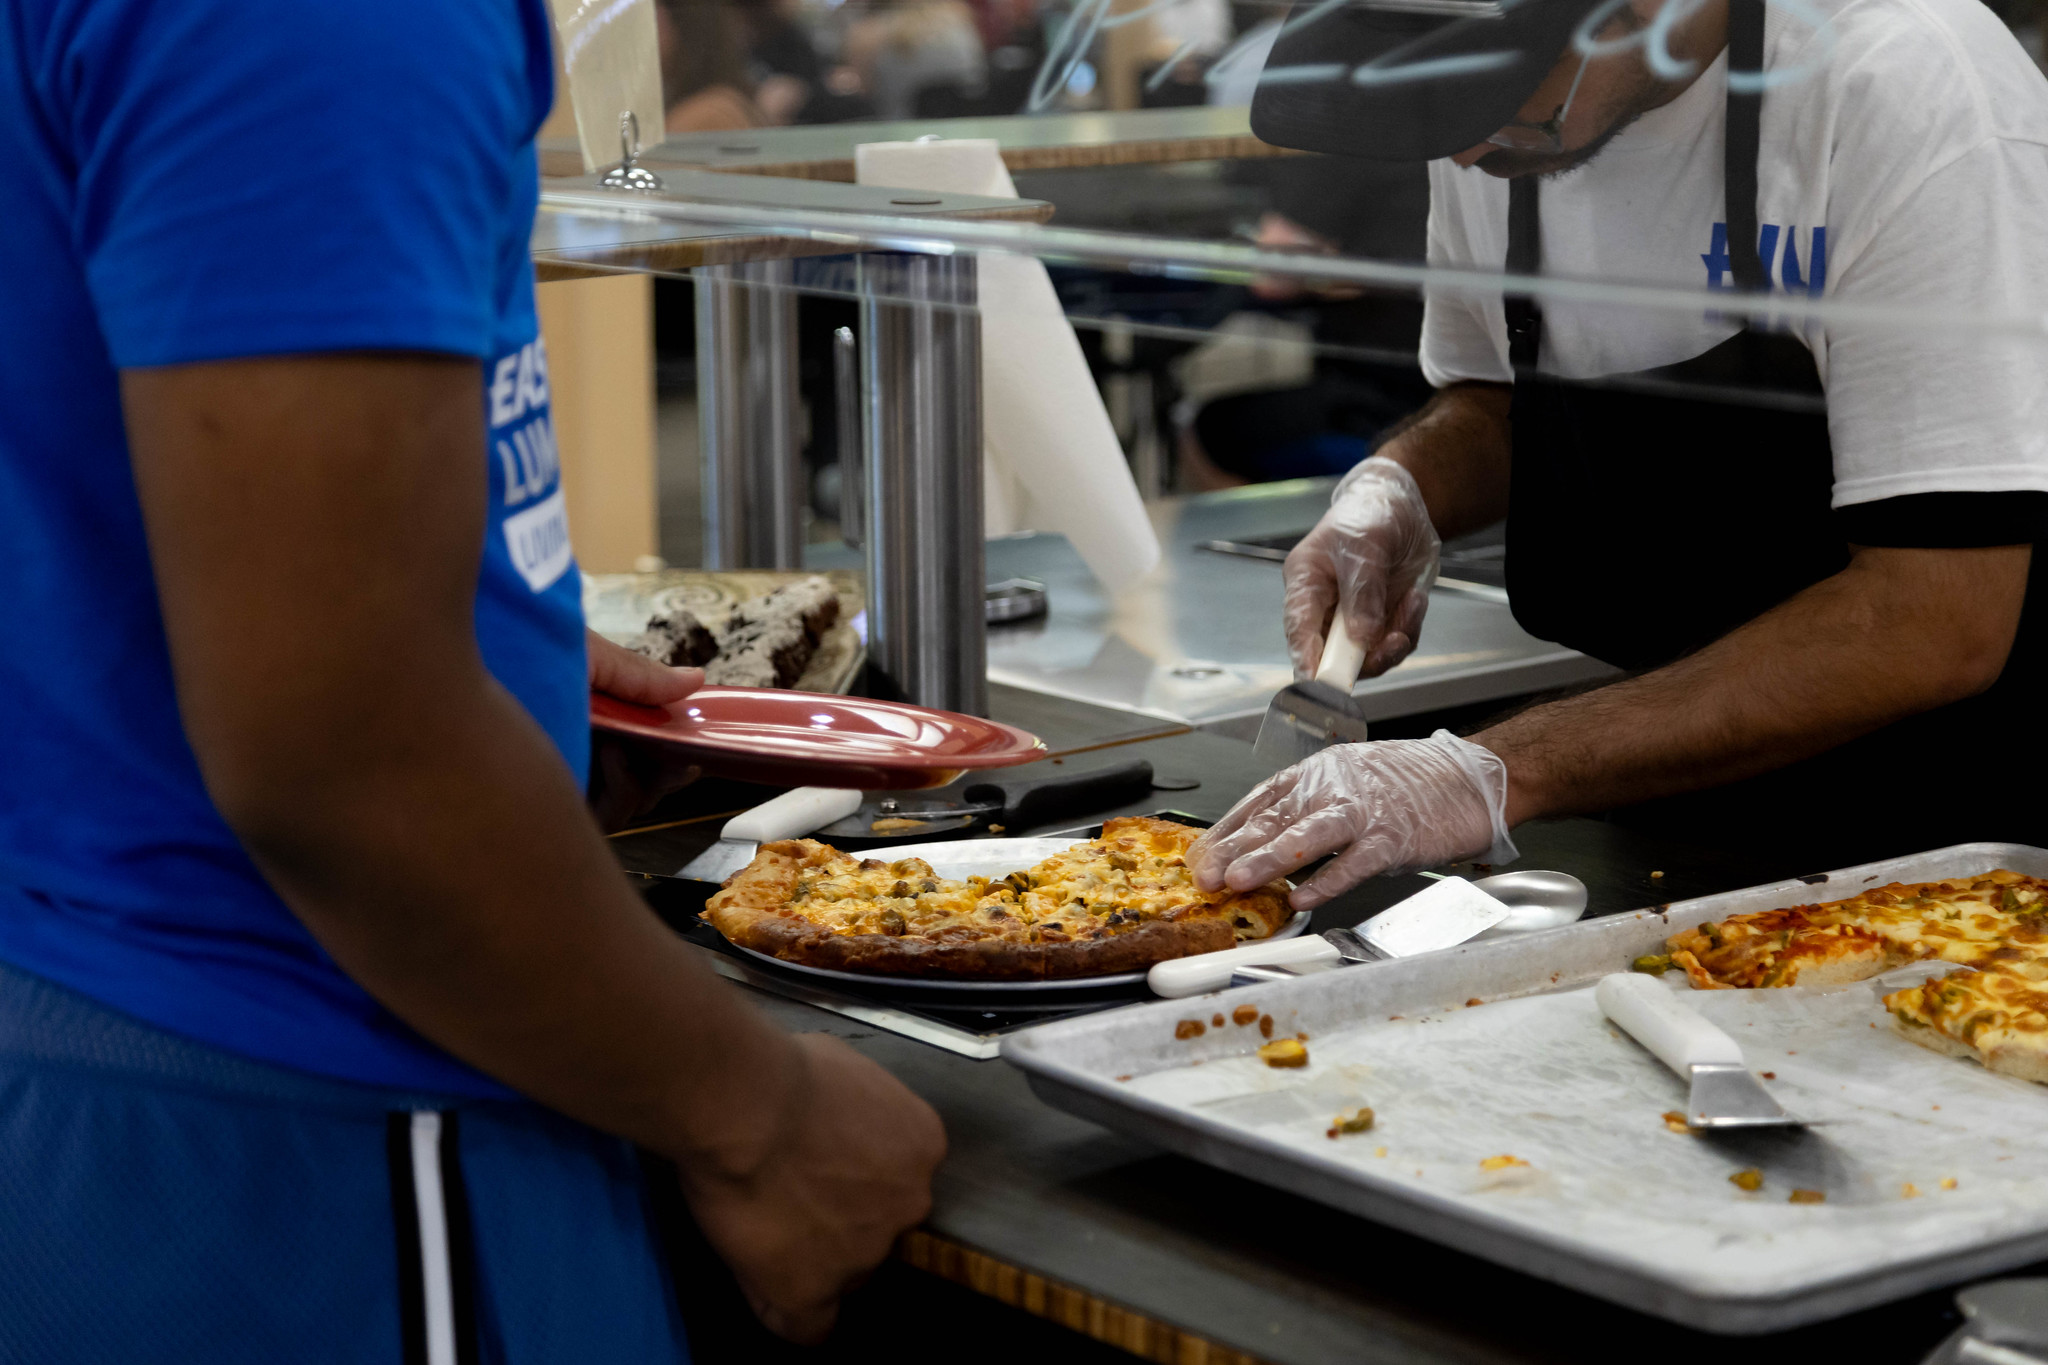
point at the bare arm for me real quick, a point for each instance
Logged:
(1896, 633)
(1458, 448)
(315, 526)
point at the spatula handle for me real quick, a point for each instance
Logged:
(1648, 1012)
(1343, 657)
(1181, 976)
(797, 811)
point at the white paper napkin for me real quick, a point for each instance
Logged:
(1051, 459)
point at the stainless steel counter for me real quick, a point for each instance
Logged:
(1199, 640)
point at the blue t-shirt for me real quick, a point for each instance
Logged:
(196, 180)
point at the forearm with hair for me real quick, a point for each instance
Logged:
(1457, 447)
(1897, 633)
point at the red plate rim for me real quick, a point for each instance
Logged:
(662, 725)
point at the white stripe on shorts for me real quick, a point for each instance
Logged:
(439, 1297)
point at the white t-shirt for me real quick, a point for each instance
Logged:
(1908, 165)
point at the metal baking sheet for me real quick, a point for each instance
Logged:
(1496, 1049)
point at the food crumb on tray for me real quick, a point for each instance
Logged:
(1807, 1197)
(1909, 1191)
(1948, 1182)
(1190, 1028)
(1675, 1121)
(1501, 1162)
(1357, 1120)
(1284, 1053)
(1751, 1179)
(1244, 1014)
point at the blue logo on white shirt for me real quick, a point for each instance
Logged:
(1782, 267)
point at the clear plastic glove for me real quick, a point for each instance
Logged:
(1390, 805)
(1375, 552)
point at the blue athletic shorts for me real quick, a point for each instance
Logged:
(162, 1201)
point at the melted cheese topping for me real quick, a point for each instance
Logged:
(2001, 917)
(1995, 927)
(2000, 1016)
(1095, 889)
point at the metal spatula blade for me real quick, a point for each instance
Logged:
(1304, 719)
(1307, 717)
(1724, 1093)
(1442, 916)
(797, 811)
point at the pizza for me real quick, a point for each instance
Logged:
(1982, 921)
(1117, 903)
(1993, 927)
(2000, 1017)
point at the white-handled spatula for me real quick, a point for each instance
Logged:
(1307, 717)
(1445, 915)
(1724, 1093)
(797, 811)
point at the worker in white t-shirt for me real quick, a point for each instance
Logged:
(1809, 543)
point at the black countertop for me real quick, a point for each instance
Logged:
(1268, 1273)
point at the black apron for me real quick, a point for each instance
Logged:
(1648, 519)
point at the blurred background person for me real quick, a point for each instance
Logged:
(705, 83)
(903, 50)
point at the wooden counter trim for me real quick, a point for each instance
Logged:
(1029, 142)
(1075, 1309)
(1151, 153)
(680, 253)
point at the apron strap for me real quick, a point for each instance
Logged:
(1525, 255)
(1745, 137)
(1739, 189)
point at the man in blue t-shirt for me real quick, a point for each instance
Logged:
(300, 910)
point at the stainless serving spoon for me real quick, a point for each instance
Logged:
(1535, 899)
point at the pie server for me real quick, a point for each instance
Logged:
(1724, 1093)
(797, 811)
(1012, 804)
(1448, 913)
(1307, 717)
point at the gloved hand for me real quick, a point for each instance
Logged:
(1390, 805)
(1375, 552)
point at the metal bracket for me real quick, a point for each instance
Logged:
(626, 175)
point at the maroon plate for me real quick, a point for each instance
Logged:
(815, 739)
